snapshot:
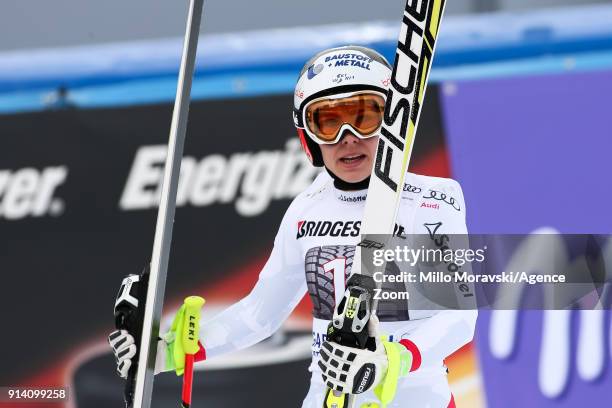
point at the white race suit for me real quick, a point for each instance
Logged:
(313, 254)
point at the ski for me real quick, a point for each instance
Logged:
(413, 59)
(139, 386)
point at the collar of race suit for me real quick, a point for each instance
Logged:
(346, 186)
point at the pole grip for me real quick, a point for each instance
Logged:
(191, 329)
(191, 326)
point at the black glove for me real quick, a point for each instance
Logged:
(122, 340)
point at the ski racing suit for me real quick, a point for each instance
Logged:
(313, 253)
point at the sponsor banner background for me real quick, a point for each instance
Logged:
(532, 153)
(62, 267)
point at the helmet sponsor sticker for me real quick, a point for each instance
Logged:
(315, 70)
(349, 60)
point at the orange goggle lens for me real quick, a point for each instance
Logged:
(363, 112)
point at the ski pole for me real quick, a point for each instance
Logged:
(191, 328)
(139, 385)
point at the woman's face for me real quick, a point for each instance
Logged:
(351, 158)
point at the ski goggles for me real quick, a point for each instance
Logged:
(326, 119)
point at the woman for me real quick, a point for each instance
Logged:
(338, 111)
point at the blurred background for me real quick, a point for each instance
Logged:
(518, 111)
(40, 23)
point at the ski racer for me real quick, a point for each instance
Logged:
(339, 102)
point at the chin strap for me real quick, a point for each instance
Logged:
(346, 186)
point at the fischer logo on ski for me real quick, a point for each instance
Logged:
(410, 70)
(417, 39)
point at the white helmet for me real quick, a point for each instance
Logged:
(336, 71)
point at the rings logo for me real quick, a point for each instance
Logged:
(440, 196)
(30, 192)
(409, 188)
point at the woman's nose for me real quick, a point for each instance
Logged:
(348, 137)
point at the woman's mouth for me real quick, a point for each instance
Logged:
(353, 159)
